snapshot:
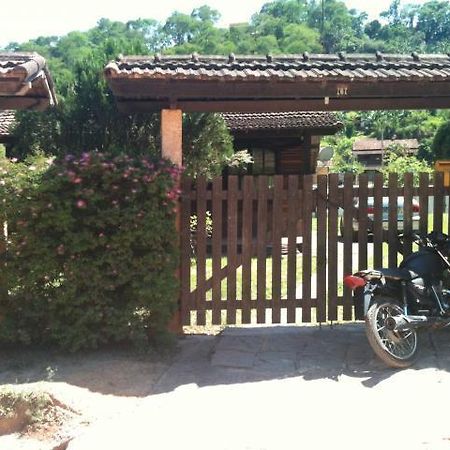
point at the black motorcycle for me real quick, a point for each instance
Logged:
(395, 303)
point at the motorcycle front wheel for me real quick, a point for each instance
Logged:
(395, 348)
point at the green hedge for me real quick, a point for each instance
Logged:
(92, 249)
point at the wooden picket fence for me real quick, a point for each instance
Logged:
(259, 249)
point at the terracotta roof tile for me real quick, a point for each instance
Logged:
(285, 120)
(28, 83)
(371, 144)
(7, 119)
(291, 66)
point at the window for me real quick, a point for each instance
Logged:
(264, 162)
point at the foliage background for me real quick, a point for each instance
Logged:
(86, 118)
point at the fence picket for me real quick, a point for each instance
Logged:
(306, 248)
(407, 213)
(217, 250)
(363, 220)
(424, 181)
(290, 199)
(261, 248)
(438, 201)
(348, 240)
(393, 216)
(333, 202)
(277, 218)
(247, 240)
(292, 217)
(378, 220)
(321, 235)
(185, 253)
(232, 195)
(201, 251)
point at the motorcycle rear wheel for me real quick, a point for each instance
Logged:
(395, 348)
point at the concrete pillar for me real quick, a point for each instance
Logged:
(172, 149)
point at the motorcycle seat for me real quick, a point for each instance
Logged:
(398, 274)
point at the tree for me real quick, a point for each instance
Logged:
(87, 118)
(206, 14)
(152, 32)
(441, 142)
(343, 159)
(180, 28)
(397, 160)
(340, 28)
(434, 22)
(300, 38)
(207, 144)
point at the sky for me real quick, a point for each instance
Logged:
(28, 19)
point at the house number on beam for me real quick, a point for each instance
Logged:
(342, 90)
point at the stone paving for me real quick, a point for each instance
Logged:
(289, 387)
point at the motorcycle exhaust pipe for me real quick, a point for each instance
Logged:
(402, 323)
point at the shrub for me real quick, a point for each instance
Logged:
(92, 252)
(27, 407)
(397, 160)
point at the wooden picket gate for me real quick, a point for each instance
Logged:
(259, 249)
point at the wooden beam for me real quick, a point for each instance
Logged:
(278, 105)
(34, 103)
(141, 88)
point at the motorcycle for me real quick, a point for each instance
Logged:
(397, 302)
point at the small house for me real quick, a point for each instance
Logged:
(282, 143)
(370, 152)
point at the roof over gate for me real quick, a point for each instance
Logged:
(280, 83)
(25, 82)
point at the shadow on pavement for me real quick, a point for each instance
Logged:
(237, 355)
(242, 355)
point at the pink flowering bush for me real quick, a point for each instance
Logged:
(92, 250)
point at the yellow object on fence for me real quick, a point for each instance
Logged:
(444, 166)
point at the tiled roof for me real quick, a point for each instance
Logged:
(28, 64)
(369, 144)
(284, 120)
(25, 82)
(289, 67)
(7, 119)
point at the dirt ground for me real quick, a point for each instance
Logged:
(301, 379)
(85, 387)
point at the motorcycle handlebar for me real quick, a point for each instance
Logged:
(435, 239)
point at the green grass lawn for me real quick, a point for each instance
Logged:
(254, 274)
(284, 263)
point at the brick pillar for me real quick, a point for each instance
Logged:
(171, 135)
(171, 149)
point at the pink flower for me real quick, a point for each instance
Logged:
(81, 204)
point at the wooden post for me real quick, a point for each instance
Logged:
(171, 149)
